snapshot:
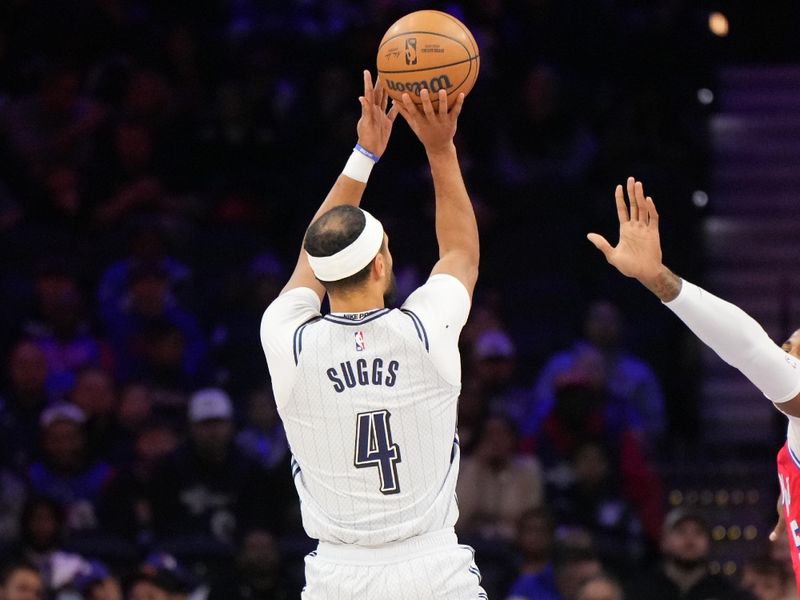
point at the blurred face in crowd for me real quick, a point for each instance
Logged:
(41, 525)
(145, 590)
(599, 589)
(134, 147)
(212, 438)
(498, 442)
(572, 576)
(687, 544)
(262, 412)
(154, 443)
(591, 465)
(535, 537)
(28, 369)
(23, 584)
(94, 392)
(259, 555)
(149, 295)
(63, 444)
(60, 92)
(603, 325)
(136, 403)
(108, 589)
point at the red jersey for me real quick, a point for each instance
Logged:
(789, 476)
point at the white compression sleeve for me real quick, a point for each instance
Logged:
(739, 340)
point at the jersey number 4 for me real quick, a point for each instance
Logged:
(374, 448)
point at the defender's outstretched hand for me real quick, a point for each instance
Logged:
(434, 128)
(375, 125)
(638, 252)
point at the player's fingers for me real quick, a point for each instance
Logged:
(641, 204)
(368, 89)
(622, 209)
(442, 104)
(427, 106)
(776, 532)
(409, 110)
(600, 243)
(364, 107)
(632, 199)
(384, 97)
(459, 104)
(394, 110)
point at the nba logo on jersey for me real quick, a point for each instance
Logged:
(359, 341)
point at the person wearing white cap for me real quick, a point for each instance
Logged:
(368, 394)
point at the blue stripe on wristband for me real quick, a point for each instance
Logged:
(367, 153)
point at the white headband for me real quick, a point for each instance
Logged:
(350, 260)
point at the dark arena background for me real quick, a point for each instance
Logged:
(159, 162)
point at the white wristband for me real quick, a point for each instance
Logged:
(358, 167)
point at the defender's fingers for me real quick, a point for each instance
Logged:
(442, 103)
(652, 213)
(641, 205)
(622, 209)
(364, 106)
(384, 97)
(631, 184)
(600, 243)
(408, 107)
(427, 106)
(459, 104)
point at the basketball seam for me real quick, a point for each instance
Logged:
(460, 62)
(463, 27)
(435, 100)
(452, 39)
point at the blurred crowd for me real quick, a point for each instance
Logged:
(159, 162)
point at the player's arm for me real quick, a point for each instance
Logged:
(374, 128)
(456, 228)
(735, 336)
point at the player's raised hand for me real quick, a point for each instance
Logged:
(375, 125)
(434, 128)
(638, 252)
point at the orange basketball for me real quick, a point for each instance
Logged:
(428, 49)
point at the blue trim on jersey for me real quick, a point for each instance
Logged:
(453, 451)
(795, 460)
(371, 316)
(298, 338)
(423, 335)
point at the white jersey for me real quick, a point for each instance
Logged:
(369, 406)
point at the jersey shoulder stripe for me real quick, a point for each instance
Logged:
(423, 335)
(795, 460)
(298, 338)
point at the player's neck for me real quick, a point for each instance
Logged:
(356, 302)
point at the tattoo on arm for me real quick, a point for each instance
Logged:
(666, 286)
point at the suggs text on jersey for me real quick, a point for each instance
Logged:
(363, 373)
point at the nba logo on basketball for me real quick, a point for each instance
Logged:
(411, 51)
(359, 340)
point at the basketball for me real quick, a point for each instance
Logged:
(428, 49)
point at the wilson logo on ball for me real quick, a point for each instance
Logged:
(411, 51)
(442, 82)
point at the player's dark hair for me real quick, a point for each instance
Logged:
(335, 231)
(8, 570)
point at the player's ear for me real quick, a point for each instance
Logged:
(379, 265)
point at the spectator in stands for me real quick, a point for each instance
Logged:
(683, 573)
(535, 540)
(66, 472)
(207, 487)
(601, 587)
(258, 572)
(583, 412)
(153, 337)
(496, 485)
(60, 328)
(42, 531)
(22, 402)
(150, 587)
(21, 581)
(768, 579)
(574, 566)
(626, 377)
(593, 500)
(262, 436)
(96, 582)
(473, 411)
(96, 395)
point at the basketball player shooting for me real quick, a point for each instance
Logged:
(368, 393)
(725, 328)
